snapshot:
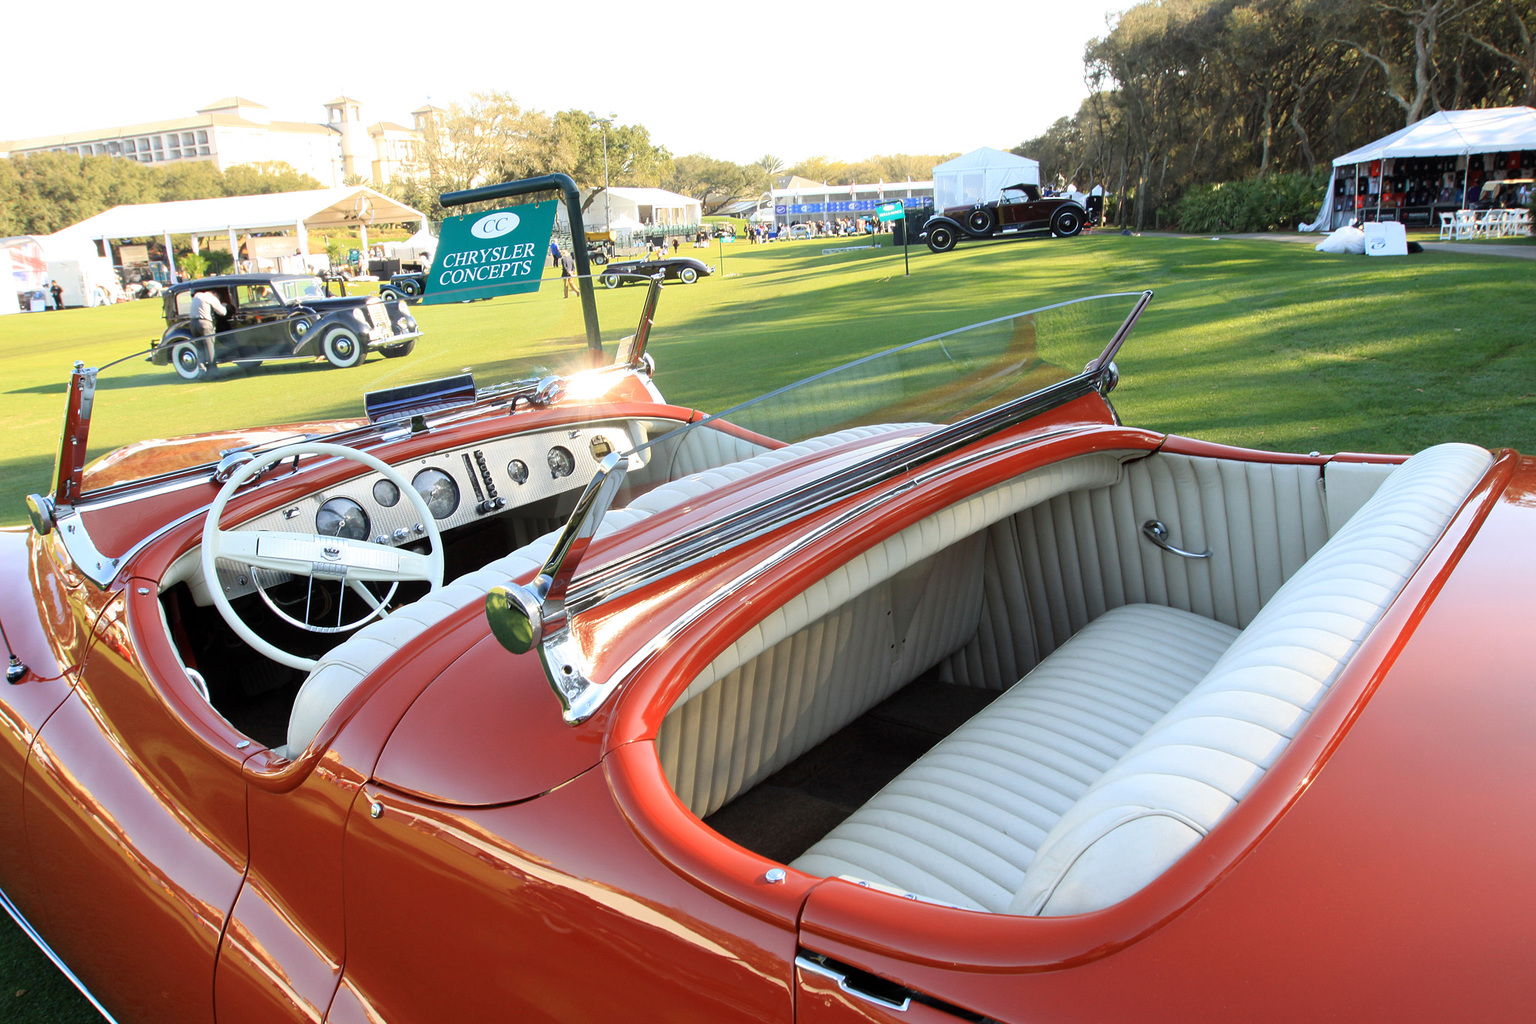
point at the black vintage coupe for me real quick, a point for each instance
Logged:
(677, 268)
(1021, 210)
(280, 316)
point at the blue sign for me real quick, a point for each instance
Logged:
(850, 206)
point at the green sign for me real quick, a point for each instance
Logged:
(486, 254)
(353, 255)
(893, 210)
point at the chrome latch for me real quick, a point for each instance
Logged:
(1157, 533)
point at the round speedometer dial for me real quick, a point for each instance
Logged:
(342, 517)
(438, 490)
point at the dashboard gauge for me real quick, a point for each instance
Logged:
(517, 469)
(342, 517)
(561, 462)
(438, 490)
(386, 493)
(601, 447)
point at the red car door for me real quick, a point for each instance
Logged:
(135, 819)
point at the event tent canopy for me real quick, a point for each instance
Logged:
(313, 209)
(980, 176)
(316, 209)
(1453, 133)
(1447, 133)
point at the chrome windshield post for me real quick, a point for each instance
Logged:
(535, 616)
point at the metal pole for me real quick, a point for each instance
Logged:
(607, 205)
(567, 189)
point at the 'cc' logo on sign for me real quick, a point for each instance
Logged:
(494, 225)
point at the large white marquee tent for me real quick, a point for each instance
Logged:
(980, 177)
(1459, 134)
(310, 210)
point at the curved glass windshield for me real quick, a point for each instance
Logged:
(269, 387)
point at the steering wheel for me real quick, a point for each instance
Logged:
(348, 562)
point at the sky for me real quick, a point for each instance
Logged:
(830, 78)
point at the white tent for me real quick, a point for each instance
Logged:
(980, 176)
(1448, 133)
(309, 210)
(651, 207)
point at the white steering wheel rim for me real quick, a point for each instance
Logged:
(212, 535)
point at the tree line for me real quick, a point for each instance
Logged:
(488, 138)
(1193, 92)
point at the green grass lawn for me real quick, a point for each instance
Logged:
(1247, 342)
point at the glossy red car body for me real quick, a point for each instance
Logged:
(448, 848)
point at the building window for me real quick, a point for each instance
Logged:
(187, 139)
(202, 138)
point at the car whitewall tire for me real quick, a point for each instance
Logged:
(187, 358)
(342, 347)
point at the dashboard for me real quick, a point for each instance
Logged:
(460, 486)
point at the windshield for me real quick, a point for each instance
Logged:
(147, 419)
(937, 380)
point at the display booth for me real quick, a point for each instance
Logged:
(1433, 166)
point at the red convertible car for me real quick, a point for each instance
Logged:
(925, 690)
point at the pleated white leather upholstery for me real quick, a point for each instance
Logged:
(1031, 809)
(1193, 767)
(1059, 565)
(345, 665)
(844, 644)
(962, 824)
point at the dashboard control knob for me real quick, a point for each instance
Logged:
(401, 534)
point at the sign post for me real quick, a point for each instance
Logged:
(896, 210)
(488, 254)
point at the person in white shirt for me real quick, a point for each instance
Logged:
(205, 305)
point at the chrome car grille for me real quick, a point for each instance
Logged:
(376, 315)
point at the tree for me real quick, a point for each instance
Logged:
(716, 182)
(268, 177)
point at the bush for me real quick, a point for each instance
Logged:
(219, 262)
(1268, 203)
(192, 264)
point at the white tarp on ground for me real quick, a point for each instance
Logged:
(980, 177)
(1446, 133)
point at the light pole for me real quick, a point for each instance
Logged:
(607, 206)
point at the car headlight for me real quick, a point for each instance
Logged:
(360, 317)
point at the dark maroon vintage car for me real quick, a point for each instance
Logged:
(1021, 210)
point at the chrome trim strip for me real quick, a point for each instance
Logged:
(31, 933)
(670, 554)
(582, 705)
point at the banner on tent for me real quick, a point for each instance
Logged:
(850, 206)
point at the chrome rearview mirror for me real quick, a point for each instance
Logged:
(534, 616)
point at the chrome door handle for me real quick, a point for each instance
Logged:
(851, 987)
(1157, 533)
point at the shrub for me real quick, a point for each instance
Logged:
(1268, 203)
(192, 264)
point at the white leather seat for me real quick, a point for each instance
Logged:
(345, 665)
(1031, 811)
(963, 823)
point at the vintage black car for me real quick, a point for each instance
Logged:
(406, 286)
(280, 316)
(1021, 210)
(676, 268)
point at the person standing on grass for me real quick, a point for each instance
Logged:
(568, 273)
(554, 254)
(204, 307)
(58, 295)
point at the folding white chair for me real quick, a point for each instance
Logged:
(1447, 226)
(1466, 224)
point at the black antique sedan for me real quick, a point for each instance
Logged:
(677, 268)
(1020, 210)
(279, 316)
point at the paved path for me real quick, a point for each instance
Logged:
(1519, 252)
